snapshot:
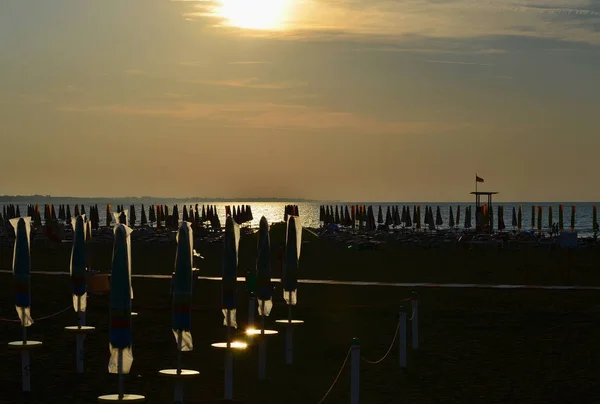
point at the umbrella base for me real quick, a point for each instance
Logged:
(237, 345)
(292, 322)
(84, 329)
(21, 345)
(185, 373)
(130, 398)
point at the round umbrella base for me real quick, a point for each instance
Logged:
(233, 345)
(21, 345)
(293, 322)
(130, 398)
(84, 329)
(133, 314)
(185, 373)
(254, 332)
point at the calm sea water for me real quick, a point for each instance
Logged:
(309, 211)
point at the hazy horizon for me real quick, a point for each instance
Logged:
(316, 99)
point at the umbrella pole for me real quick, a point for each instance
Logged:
(120, 373)
(23, 326)
(228, 362)
(262, 345)
(79, 337)
(289, 336)
(25, 356)
(178, 383)
(251, 309)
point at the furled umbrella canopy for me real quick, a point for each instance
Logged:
(514, 217)
(418, 217)
(78, 264)
(22, 269)
(144, 219)
(75, 211)
(68, 218)
(451, 218)
(573, 218)
(185, 216)
(532, 217)
(501, 225)
(380, 215)
(458, 216)
(595, 219)
(388, 217)
(561, 221)
(121, 293)
(230, 265)
(408, 221)
(550, 221)
(263, 269)
(438, 217)
(539, 219)
(182, 287)
(291, 261)
(520, 219)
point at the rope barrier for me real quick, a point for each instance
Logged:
(8, 320)
(389, 349)
(336, 378)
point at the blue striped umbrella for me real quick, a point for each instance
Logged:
(120, 303)
(292, 257)
(182, 288)
(230, 263)
(263, 268)
(78, 264)
(22, 271)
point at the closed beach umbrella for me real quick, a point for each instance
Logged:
(108, 216)
(75, 211)
(121, 293)
(438, 217)
(388, 217)
(539, 219)
(561, 221)
(573, 218)
(291, 261)
(532, 217)
(468, 218)
(144, 219)
(379, 216)
(514, 217)
(230, 264)
(68, 220)
(520, 219)
(182, 288)
(418, 218)
(185, 214)
(501, 225)
(595, 219)
(263, 269)
(408, 222)
(550, 217)
(22, 269)
(451, 218)
(78, 265)
(458, 216)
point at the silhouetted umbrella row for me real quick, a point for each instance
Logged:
(292, 210)
(240, 214)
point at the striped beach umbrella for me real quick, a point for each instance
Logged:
(182, 288)
(263, 269)
(78, 265)
(121, 293)
(22, 269)
(230, 265)
(289, 277)
(573, 218)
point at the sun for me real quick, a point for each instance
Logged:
(254, 14)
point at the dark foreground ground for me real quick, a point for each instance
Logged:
(477, 345)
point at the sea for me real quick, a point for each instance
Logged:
(309, 210)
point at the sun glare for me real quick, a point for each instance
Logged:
(254, 14)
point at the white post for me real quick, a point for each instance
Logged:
(251, 310)
(120, 373)
(402, 340)
(289, 336)
(355, 371)
(415, 322)
(262, 346)
(25, 370)
(228, 362)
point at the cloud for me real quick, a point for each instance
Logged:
(270, 115)
(450, 62)
(249, 83)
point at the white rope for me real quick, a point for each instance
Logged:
(336, 378)
(389, 349)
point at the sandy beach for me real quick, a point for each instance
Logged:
(476, 345)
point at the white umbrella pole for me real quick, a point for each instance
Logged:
(120, 374)
(178, 398)
(262, 346)
(79, 337)
(228, 362)
(289, 337)
(26, 375)
(251, 310)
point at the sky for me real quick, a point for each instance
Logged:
(370, 100)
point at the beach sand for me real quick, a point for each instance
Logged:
(476, 345)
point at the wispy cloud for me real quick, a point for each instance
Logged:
(453, 62)
(270, 115)
(249, 83)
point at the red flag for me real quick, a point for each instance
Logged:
(478, 179)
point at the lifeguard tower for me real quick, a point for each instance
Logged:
(484, 222)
